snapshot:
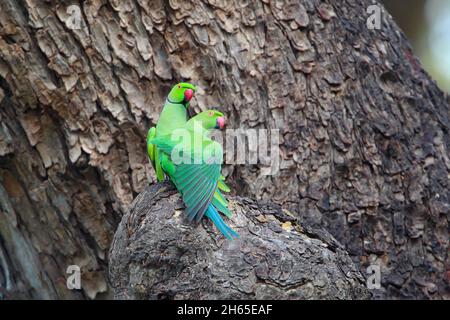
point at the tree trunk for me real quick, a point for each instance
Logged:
(364, 130)
(155, 255)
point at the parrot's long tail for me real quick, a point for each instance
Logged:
(215, 217)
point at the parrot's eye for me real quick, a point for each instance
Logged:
(179, 87)
(210, 113)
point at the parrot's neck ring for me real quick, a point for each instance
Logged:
(173, 102)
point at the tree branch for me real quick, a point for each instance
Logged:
(157, 255)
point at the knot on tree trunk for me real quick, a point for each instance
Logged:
(157, 254)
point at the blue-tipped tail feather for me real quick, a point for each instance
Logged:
(215, 217)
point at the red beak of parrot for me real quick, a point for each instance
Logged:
(221, 122)
(188, 93)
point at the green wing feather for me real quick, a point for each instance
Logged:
(150, 146)
(153, 154)
(222, 185)
(221, 203)
(197, 182)
(164, 143)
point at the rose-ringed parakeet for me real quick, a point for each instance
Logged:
(196, 171)
(209, 120)
(173, 115)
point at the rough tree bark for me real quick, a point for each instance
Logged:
(156, 255)
(364, 130)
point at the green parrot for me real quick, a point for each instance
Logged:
(197, 176)
(173, 116)
(209, 120)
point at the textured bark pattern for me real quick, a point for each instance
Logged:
(155, 254)
(364, 129)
